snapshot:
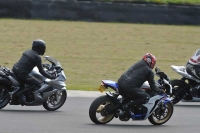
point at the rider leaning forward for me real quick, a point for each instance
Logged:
(131, 81)
(29, 60)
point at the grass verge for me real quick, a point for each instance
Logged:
(90, 52)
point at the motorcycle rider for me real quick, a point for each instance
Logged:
(193, 65)
(131, 81)
(22, 68)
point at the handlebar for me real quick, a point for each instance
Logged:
(53, 68)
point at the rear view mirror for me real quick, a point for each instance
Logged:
(157, 70)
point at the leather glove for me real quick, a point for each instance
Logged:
(160, 91)
(45, 65)
(53, 74)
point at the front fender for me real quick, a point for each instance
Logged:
(166, 100)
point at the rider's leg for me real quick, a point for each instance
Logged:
(32, 84)
(140, 97)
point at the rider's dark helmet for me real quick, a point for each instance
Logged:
(150, 59)
(39, 46)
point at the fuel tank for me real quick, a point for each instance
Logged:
(35, 73)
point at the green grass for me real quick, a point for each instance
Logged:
(90, 52)
(193, 2)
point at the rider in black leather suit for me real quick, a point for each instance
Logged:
(30, 59)
(131, 81)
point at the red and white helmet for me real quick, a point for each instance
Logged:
(150, 59)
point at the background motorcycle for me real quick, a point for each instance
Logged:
(185, 89)
(52, 95)
(158, 110)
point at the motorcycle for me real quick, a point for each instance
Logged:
(52, 94)
(158, 109)
(185, 89)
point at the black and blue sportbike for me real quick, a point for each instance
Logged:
(158, 110)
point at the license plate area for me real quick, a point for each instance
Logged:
(101, 88)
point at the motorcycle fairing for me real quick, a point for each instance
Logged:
(153, 103)
(55, 83)
(182, 71)
(40, 98)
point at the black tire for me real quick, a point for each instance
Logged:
(97, 108)
(4, 96)
(166, 115)
(177, 85)
(50, 105)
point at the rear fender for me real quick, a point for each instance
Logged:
(112, 84)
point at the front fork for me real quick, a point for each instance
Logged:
(162, 105)
(58, 93)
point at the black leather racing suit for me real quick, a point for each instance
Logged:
(25, 65)
(131, 81)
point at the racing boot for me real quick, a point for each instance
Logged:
(133, 103)
(21, 94)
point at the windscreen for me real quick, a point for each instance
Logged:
(53, 60)
(198, 52)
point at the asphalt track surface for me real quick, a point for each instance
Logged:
(73, 117)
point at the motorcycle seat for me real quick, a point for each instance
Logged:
(121, 92)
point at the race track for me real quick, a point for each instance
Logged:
(73, 117)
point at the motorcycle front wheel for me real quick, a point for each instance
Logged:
(162, 114)
(4, 96)
(177, 86)
(53, 103)
(97, 111)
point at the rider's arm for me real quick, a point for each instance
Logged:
(152, 82)
(42, 71)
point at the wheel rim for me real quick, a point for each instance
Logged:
(100, 112)
(162, 115)
(4, 97)
(53, 102)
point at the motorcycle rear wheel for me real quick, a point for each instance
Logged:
(98, 108)
(4, 96)
(158, 117)
(51, 104)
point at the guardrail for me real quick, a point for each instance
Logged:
(100, 11)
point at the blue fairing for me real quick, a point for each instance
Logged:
(110, 83)
(165, 99)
